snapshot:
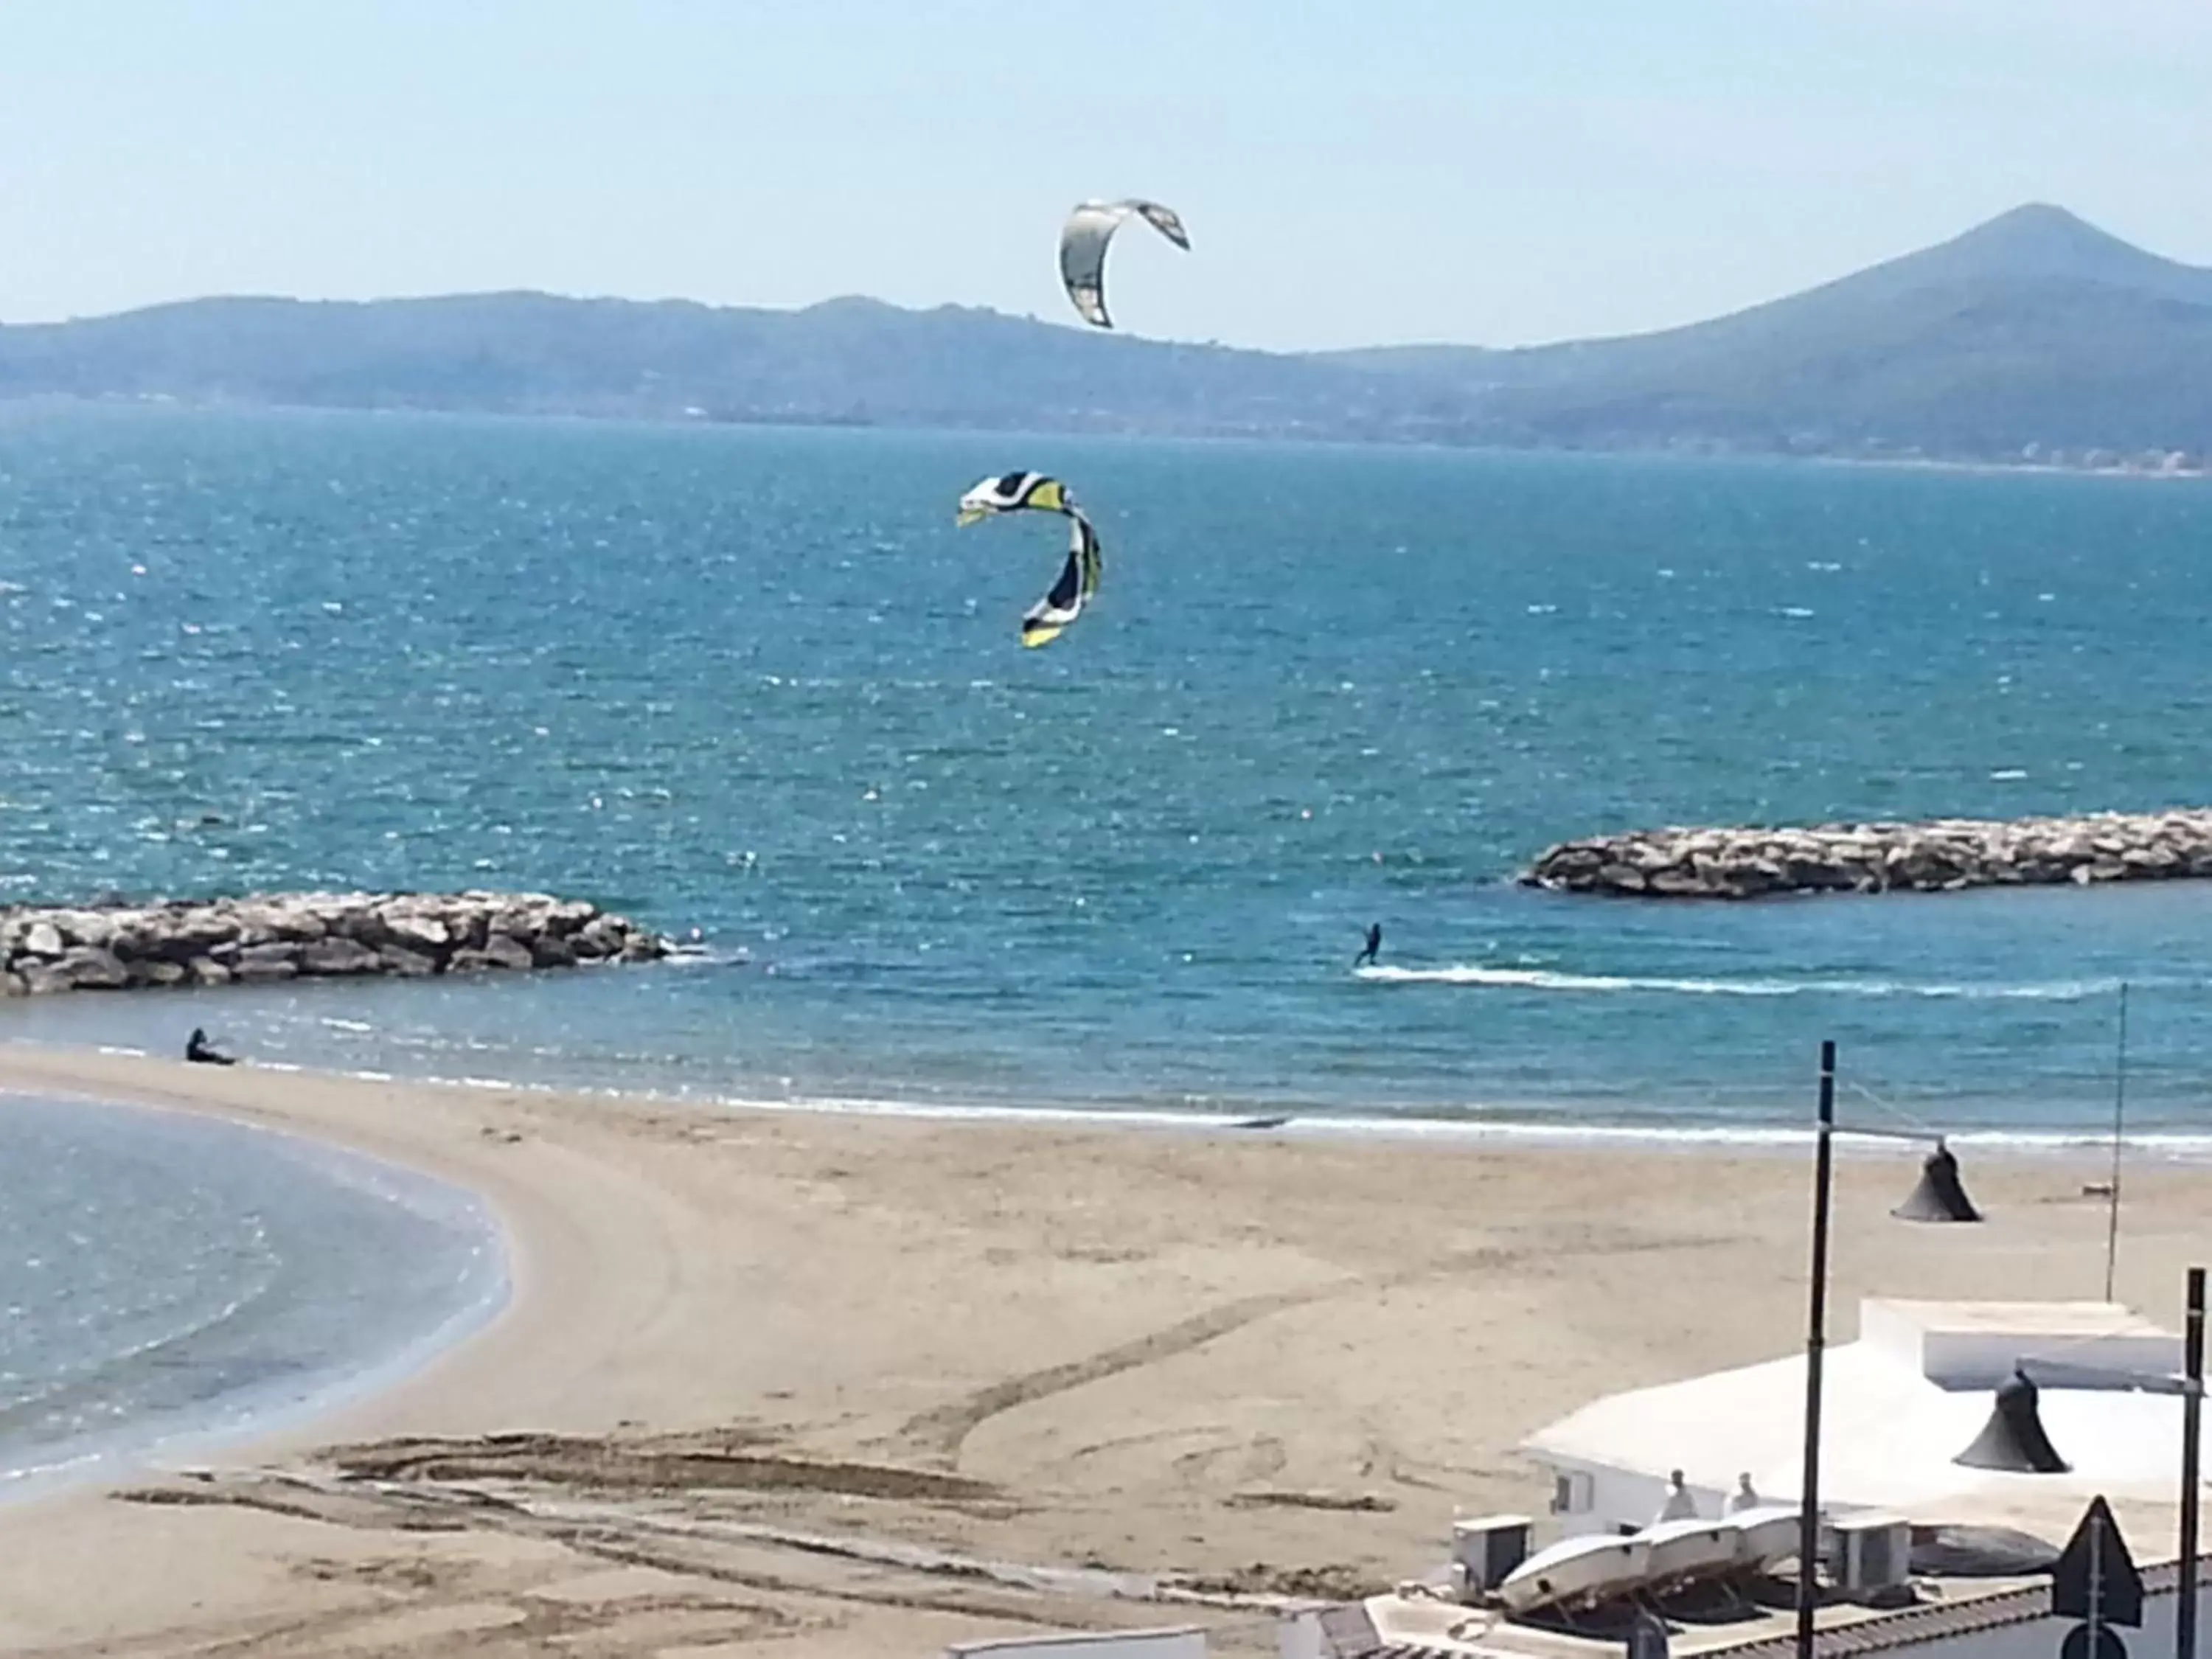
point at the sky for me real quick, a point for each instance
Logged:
(1385, 171)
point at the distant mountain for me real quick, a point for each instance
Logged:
(2030, 333)
(2033, 336)
(849, 360)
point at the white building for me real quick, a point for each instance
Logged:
(1915, 1390)
(1899, 1405)
(1956, 1622)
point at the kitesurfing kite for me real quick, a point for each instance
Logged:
(1083, 242)
(1032, 492)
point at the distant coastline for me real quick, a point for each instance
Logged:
(2033, 341)
(2162, 466)
(2114, 470)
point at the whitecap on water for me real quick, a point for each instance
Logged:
(1547, 979)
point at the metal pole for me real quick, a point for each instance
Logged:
(1816, 1342)
(2119, 1112)
(2096, 1619)
(2192, 1410)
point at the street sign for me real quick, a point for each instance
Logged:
(2076, 1644)
(2095, 1578)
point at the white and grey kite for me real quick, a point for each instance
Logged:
(1083, 242)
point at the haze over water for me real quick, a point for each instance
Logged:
(754, 681)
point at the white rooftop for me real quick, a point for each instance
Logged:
(1898, 1404)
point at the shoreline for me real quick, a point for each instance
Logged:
(158, 403)
(527, 1228)
(1475, 1127)
(335, 1397)
(1225, 1358)
(249, 1411)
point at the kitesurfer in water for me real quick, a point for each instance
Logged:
(200, 1052)
(1374, 945)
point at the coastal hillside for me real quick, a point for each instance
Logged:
(847, 360)
(2034, 338)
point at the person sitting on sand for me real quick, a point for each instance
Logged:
(1374, 945)
(200, 1052)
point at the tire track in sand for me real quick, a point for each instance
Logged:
(943, 1428)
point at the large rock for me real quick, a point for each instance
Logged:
(112, 944)
(1945, 856)
(91, 967)
(408, 965)
(277, 921)
(44, 979)
(418, 932)
(602, 936)
(274, 960)
(83, 927)
(505, 951)
(337, 954)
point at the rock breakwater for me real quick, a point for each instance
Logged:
(1944, 855)
(114, 947)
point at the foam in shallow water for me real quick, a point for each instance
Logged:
(166, 1276)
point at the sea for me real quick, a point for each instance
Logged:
(166, 1282)
(752, 686)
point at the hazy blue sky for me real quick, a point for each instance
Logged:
(1389, 170)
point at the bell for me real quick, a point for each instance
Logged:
(2013, 1439)
(1940, 1196)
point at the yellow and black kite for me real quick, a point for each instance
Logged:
(1032, 492)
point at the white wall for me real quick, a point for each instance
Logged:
(1188, 1642)
(1977, 1354)
(1619, 1498)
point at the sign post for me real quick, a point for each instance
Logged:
(1816, 1343)
(2192, 1414)
(2096, 1582)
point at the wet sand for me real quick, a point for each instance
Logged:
(814, 1384)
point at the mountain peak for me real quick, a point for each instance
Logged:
(2039, 239)
(2042, 226)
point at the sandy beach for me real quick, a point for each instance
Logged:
(777, 1381)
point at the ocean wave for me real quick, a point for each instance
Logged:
(1546, 979)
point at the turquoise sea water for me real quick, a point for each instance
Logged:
(756, 683)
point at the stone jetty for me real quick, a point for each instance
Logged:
(116, 946)
(1945, 855)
